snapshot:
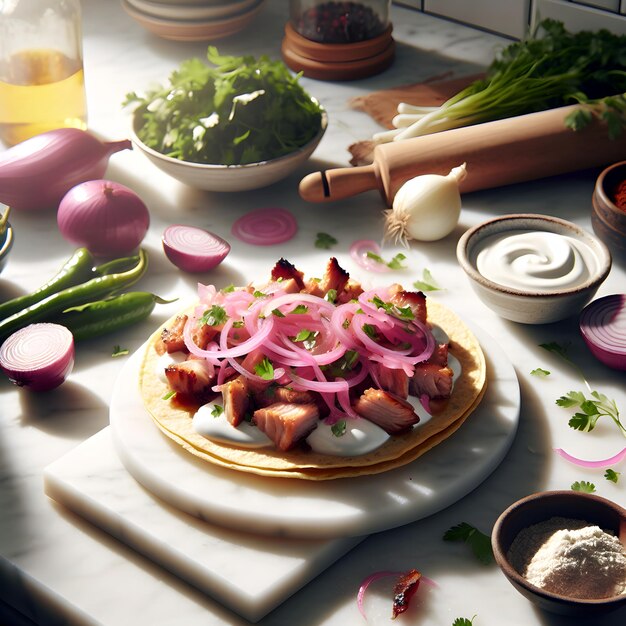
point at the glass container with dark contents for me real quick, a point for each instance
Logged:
(336, 40)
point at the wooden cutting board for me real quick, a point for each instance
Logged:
(382, 105)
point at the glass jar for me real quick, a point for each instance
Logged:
(336, 22)
(42, 83)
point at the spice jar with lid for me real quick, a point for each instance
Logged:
(41, 68)
(338, 40)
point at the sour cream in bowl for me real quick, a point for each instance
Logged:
(533, 269)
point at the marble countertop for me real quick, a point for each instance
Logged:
(56, 568)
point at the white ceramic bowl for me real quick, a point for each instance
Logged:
(230, 177)
(194, 29)
(180, 12)
(525, 305)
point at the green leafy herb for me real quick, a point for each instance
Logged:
(405, 313)
(540, 373)
(217, 410)
(394, 264)
(551, 67)
(331, 295)
(584, 486)
(591, 408)
(278, 313)
(265, 369)
(343, 365)
(301, 309)
(612, 475)
(259, 294)
(339, 428)
(229, 288)
(303, 335)
(370, 331)
(463, 621)
(477, 540)
(119, 351)
(169, 395)
(215, 316)
(236, 110)
(325, 241)
(427, 283)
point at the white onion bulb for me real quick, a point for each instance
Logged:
(426, 208)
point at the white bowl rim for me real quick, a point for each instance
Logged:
(217, 167)
(605, 259)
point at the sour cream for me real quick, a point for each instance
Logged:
(536, 261)
(167, 359)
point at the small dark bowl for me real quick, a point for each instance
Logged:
(6, 243)
(542, 506)
(607, 219)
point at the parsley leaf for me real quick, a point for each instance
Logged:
(217, 410)
(477, 540)
(584, 486)
(612, 475)
(265, 369)
(427, 283)
(540, 372)
(303, 335)
(300, 309)
(325, 241)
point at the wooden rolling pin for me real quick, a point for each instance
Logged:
(513, 150)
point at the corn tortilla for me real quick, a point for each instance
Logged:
(398, 450)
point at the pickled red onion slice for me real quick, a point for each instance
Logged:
(613, 460)
(265, 227)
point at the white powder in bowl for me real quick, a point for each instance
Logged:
(571, 558)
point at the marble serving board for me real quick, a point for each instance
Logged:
(249, 574)
(319, 509)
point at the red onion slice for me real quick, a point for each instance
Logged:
(613, 460)
(377, 576)
(603, 327)
(265, 227)
(193, 249)
(359, 250)
(38, 356)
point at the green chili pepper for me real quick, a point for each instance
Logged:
(94, 289)
(105, 316)
(77, 269)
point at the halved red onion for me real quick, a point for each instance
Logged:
(359, 250)
(612, 460)
(603, 327)
(265, 227)
(104, 216)
(193, 249)
(38, 356)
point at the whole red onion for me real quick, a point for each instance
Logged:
(105, 217)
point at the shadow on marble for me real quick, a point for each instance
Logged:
(71, 411)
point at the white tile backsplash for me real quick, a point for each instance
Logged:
(513, 17)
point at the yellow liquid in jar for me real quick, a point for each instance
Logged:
(40, 90)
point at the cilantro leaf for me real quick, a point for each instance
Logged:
(325, 241)
(584, 486)
(394, 264)
(427, 283)
(477, 540)
(265, 369)
(303, 335)
(612, 475)
(300, 309)
(540, 372)
(591, 410)
(463, 621)
(339, 428)
(215, 316)
(217, 410)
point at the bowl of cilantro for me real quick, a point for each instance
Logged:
(236, 124)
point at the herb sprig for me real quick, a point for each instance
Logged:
(479, 542)
(592, 407)
(239, 110)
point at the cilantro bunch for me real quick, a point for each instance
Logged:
(240, 110)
